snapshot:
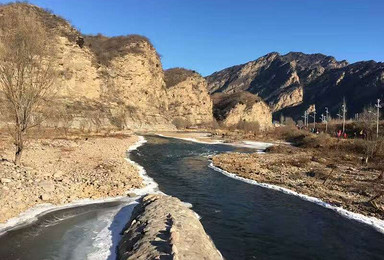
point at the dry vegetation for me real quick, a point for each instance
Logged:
(106, 48)
(174, 76)
(46, 17)
(223, 103)
(344, 172)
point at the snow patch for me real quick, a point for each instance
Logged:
(190, 139)
(244, 144)
(150, 186)
(105, 240)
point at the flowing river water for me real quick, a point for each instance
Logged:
(245, 221)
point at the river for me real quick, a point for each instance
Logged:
(245, 221)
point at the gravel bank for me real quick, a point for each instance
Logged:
(62, 171)
(345, 186)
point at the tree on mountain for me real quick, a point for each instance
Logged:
(26, 74)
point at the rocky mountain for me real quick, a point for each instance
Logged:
(291, 83)
(102, 82)
(242, 110)
(114, 82)
(188, 98)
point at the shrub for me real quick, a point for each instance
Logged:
(289, 121)
(174, 76)
(246, 126)
(107, 48)
(180, 123)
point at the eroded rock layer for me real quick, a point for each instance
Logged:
(188, 97)
(102, 82)
(242, 108)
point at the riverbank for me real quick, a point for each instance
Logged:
(304, 171)
(59, 171)
(193, 136)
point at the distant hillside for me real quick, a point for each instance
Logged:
(291, 83)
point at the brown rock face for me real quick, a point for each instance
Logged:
(188, 96)
(234, 109)
(103, 82)
(290, 83)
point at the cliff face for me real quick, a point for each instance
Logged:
(132, 80)
(188, 97)
(289, 83)
(102, 82)
(236, 108)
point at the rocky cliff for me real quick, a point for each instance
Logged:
(102, 82)
(188, 97)
(242, 110)
(290, 83)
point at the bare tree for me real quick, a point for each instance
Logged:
(367, 120)
(26, 74)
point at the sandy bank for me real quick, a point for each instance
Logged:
(208, 138)
(62, 171)
(193, 136)
(162, 227)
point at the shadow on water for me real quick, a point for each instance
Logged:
(67, 233)
(251, 222)
(118, 223)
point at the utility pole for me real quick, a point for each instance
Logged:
(305, 118)
(326, 119)
(314, 118)
(378, 106)
(344, 107)
(322, 118)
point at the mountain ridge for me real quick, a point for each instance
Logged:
(292, 82)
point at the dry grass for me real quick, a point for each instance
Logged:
(181, 123)
(46, 16)
(174, 76)
(223, 102)
(107, 48)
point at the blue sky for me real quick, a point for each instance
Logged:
(209, 35)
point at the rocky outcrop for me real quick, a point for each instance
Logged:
(290, 83)
(162, 227)
(188, 97)
(289, 98)
(102, 82)
(241, 108)
(133, 80)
